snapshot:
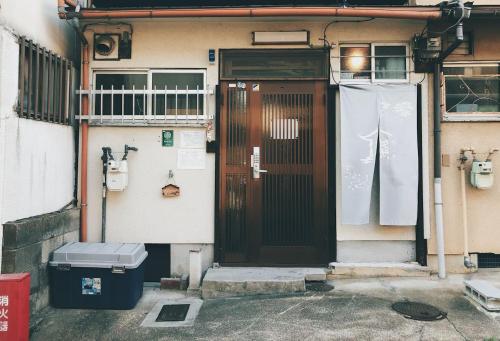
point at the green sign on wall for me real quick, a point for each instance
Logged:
(167, 138)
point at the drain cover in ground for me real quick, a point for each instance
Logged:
(173, 312)
(318, 286)
(419, 311)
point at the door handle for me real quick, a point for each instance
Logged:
(255, 163)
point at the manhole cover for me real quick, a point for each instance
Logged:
(419, 311)
(173, 312)
(318, 286)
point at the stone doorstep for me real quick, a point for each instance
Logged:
(230, 282)
(366, 270)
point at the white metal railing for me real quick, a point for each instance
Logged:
(145, 106)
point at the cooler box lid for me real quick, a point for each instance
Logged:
(100, 255)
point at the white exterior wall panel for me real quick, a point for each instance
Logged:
(37, 158)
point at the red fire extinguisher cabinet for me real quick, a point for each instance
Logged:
(14, 307)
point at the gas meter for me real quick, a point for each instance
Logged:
(117, 175)
(481, 175)
(115, 171)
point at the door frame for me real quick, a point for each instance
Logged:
(421, 242)
(330, 112)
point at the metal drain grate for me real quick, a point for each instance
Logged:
(173, 312)
(419, 311)
(488, 260)
(318, 286)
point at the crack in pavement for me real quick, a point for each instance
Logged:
(456, 329)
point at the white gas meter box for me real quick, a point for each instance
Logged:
(481, 175)
(117, 175)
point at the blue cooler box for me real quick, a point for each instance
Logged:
(97, 275)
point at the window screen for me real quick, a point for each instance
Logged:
(274, 64)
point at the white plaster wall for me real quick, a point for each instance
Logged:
(36, 158)
(38, 20)
(180, 44)
(141, 213)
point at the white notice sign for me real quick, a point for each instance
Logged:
(193, 139)
(191, 158)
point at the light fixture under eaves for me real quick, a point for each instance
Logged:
(280, 38)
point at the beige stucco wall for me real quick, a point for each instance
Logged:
(179, 44)
(482, 205)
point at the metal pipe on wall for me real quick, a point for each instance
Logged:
(438, 201)
(85, 137)
(464, 211)
(393, 12)
(438, 197)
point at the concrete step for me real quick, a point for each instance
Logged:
(243, 281)
(366, 270)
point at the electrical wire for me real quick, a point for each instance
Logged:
(333, 74)
(450, 27)
(423, 79)
(340, 21)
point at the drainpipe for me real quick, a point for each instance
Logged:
(369, 12)
(85, 137)
(460, 11)
(438, 199)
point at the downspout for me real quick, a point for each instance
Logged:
(438, 197)
(85, 137)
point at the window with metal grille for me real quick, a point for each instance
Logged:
(472, 91)
(45, 84)
(148, 96)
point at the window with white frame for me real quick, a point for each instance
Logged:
(377, 62)
(472, 91)
(355, 62)
(190, 103)
(126, 98)
(151, 94)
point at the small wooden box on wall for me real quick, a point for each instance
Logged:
(171, 190)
